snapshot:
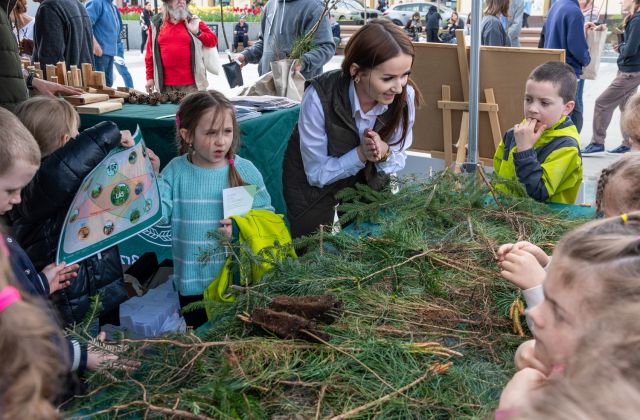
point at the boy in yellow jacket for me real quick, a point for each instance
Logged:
(543, 151)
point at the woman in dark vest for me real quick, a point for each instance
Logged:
(355, 125)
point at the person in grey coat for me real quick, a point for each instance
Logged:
(491, 30)
(514, 24)
(284, 21)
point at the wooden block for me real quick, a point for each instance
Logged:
(99, 107)
(77, 77)
(118, 94)
(61, 72)
(53, 79)
(90, 90)
(109, 91)
(39, 74)
(118, 100)
(87, 74)
(98, 80)
(122, 89)
(51, 72)
(74, 81)
(86, 98)
(69, 78)
(36, 64)
(25, 63)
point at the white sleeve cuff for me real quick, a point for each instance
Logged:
(350, 162)
(533, 296)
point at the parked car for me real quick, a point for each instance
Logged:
(401, 13)
(352, 10)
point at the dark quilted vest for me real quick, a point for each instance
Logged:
(333, 90)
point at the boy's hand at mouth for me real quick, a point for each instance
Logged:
(526, 133)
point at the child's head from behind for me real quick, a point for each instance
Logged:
(19, 159)
(630, 121)
(550, 93)
(594, 268)
(618, 187)
(52, 122)
(31, 361)
(207, 130)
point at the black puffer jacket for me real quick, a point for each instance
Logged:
(37, 221)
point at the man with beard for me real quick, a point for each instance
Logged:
(174, 55)
(62, 32)
(106, 32)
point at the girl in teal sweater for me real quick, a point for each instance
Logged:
(191, 188)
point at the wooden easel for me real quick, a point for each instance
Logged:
(447, 106)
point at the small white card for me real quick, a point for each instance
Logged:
(238, 201)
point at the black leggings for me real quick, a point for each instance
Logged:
(193, 318)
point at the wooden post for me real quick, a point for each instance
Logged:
(493, 118)
(87, 74)
(61, 72)
(446, 126)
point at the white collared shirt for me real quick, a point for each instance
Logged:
(322, 169)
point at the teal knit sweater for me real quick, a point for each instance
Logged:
(192, 205)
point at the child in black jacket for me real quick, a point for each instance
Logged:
(67, 158)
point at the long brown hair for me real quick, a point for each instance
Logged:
(496, 7)
(192, 108)
(373, 44)
(30, 363)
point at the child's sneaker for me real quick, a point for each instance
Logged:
(619, 150)
(593, 149)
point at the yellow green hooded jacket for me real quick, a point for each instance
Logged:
(551, 171)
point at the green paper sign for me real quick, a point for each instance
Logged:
(117, 200)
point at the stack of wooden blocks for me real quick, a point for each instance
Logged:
(98, 99)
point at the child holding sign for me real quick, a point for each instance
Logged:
(191, 187)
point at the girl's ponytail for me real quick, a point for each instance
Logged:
(235, 180)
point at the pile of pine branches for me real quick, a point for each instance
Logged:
(424, 330)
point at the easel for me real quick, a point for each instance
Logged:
(447, 106)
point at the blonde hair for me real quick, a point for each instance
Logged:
(16, 143)
(630, 121)
(30, 363)
(49, 120)
(192, 108)
(605, 253)
(602, 381)
(626, 169)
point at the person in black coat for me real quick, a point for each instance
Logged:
(145, 23)
(37, 223)
(62, 32)
(241, 34)
(433, 24)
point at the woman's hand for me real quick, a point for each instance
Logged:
(374, 147)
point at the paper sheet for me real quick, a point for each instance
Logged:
(238, 201)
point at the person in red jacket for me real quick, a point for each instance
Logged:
(174, 61)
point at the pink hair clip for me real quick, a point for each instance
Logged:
(8, 296)
(177, 121)
(231, 161)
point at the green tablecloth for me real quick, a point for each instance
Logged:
(262, 140)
